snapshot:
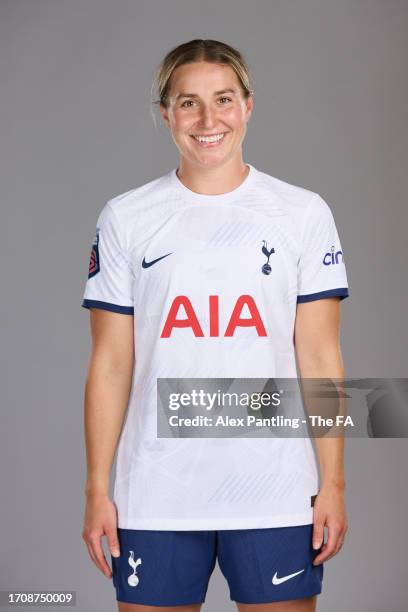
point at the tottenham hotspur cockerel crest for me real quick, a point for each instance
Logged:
(266, 268)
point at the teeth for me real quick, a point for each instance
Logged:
(209, 138)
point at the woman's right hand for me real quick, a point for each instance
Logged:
(100, 520)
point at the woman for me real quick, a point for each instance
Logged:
(214, 270)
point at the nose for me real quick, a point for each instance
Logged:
(207, 117)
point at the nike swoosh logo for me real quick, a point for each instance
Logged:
(147, 264)
(276, 580)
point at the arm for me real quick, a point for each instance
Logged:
(107, 391)
(319, 356)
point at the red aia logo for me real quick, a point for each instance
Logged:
(192, 321)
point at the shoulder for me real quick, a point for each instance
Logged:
(140, 197)
(288, 193)
(298, 202)
(135, 213)
(137, 205)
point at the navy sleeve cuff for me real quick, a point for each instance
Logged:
(341, 292)
(108, 306)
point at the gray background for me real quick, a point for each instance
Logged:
(330, 115)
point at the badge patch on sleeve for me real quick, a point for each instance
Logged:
(94, 259)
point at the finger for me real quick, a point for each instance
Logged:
(320, 557)
(318, 532)
(96, 546)
(338, 547)
(92, 555)
(90, 551)
(340, 540)
(329, 547)
(113, 541)
(340, 543)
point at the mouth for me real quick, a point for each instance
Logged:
(210, 140)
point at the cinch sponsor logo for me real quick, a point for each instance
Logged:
(333, 258)
(173, 321)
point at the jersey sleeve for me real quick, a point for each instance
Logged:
(110, 278)
(321, 267)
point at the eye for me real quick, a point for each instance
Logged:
(184, 103)
(225, 98)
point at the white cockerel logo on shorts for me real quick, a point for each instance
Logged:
(133, 580)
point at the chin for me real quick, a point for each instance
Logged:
(213, 157)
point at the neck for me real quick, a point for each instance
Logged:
(214, 180)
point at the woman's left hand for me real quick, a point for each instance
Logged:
(329, 511)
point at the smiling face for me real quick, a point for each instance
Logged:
(207, 113)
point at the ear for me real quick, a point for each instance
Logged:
(164, 114)
(249, 105)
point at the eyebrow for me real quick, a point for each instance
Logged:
(216, 93)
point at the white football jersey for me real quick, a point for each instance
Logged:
(213, 282)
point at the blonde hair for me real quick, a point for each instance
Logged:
(197, 50)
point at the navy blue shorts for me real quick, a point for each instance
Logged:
(171, 568)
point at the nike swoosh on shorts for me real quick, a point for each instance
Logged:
(276, 580)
